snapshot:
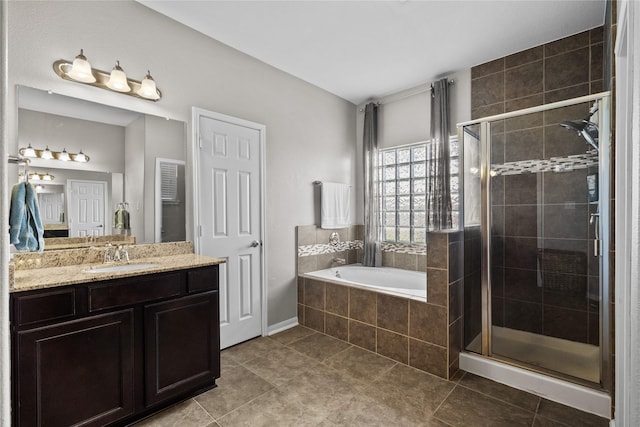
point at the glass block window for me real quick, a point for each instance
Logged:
(404, 185)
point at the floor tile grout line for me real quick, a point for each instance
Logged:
(244, 404)
(444, 399)
(498, 399)
(205, 411)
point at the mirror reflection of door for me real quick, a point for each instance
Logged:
(87, 201)
(170, 215)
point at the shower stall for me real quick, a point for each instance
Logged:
(536, 222)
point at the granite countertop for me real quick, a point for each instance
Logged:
(48, 277)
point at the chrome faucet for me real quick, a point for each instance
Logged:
(121, 254)
(108, 256)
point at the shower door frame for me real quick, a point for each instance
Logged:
(604, 169)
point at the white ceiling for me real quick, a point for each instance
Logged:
(360, 50)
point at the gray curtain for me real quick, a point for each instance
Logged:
(372, 252)
(439, 180)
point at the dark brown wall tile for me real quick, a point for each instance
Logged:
(571, 112)
(362, 305)
(567, 324)
(314, 319)
(301, 319)
(597, 54)
(523, 122)
(523, 145)
(522, 221)
(597, 35)
(566, 221)
(524, 316)
(522, 285)
(525, 80)
(314, 293)
(437, 250)
(487, 90)
(301, 290)
(437, 282)
(456, 261)
(487, 68)
(406, 261)
(429, 358)
(565, 187)
(456, 300)
(561, 142)
(455, 340)
(337, 326)
(520, 252)
(567, 44)
(393, 313)
(575, 91)
(393, 346)
(337, 299)
(362, 335)
(567, 69)
(521, 189)
(524, 57)
(428, 322)
(526, 102)
(487, 110)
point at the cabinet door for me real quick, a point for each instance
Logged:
(76, 373)
(182, 346)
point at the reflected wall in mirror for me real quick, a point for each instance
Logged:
(123, 146)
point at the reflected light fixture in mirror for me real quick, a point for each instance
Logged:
(80, 71)
(48, 154)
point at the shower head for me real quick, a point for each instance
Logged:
(586, 129)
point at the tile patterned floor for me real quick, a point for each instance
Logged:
(303, 378)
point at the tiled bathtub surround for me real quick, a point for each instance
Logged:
(426, 336)
(316, 253)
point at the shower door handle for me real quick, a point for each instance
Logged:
(595, 220)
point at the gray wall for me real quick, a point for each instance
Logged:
(310, 133)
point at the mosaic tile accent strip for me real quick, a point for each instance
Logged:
(404, 248)
(327, 248)
(554, 164)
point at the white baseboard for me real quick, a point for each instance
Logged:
(282, 326)
(567, 393)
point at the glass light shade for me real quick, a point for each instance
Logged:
(47, 177)
(148, 88)
(118, 80)
(81, 70)
(64, 156)
(28, 152)
(81, 157)
(34, 177)
(46, 154)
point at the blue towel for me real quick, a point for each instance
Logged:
(25, 225)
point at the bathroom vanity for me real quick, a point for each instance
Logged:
(108, 348)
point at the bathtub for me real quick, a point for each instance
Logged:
(394, 281)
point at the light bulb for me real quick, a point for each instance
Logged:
(118, 79)
(46, 154)
(34, 177)
(47, 177)
(81, 70)
(148, 88)
(64, 156)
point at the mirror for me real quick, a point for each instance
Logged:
(123, 147)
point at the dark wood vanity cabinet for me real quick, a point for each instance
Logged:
(111, 352)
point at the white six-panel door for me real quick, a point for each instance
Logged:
(229, 200)
(87, 201)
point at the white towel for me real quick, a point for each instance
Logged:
(336, 205)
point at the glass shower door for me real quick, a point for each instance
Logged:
(544, 265)
(536, 238)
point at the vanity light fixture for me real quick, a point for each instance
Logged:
(48, 154)
(64, 156)
(80, 71)
(38, 176)
(118, 79)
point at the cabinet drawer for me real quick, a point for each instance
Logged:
(43, 306)
(134, 290)
(202, 279)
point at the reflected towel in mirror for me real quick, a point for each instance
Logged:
(25, 225)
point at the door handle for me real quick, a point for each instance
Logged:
(255, 244)
(100, 226)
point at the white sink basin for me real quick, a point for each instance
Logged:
(120, 267)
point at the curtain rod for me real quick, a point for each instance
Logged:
(427, 87)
